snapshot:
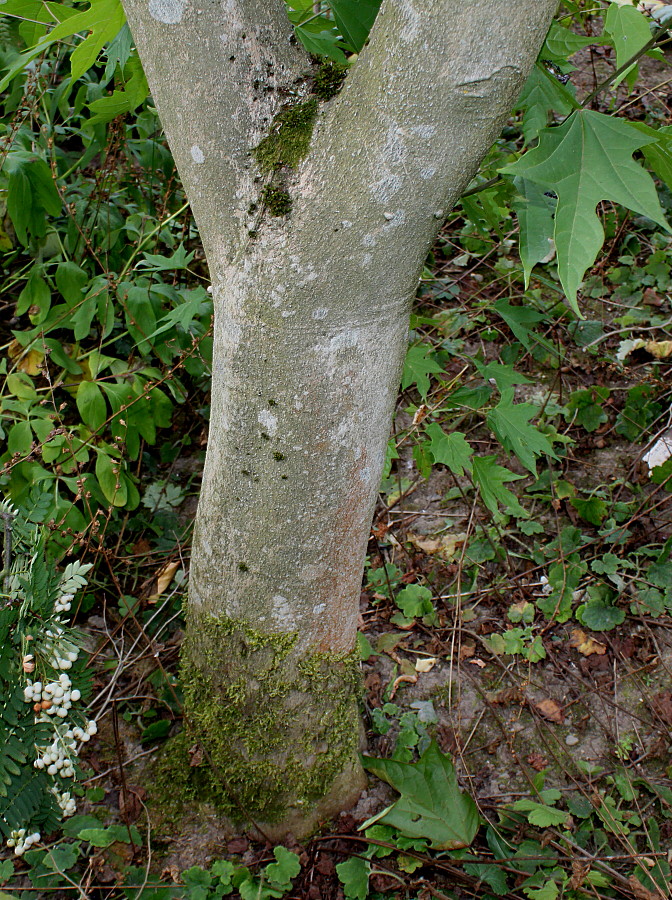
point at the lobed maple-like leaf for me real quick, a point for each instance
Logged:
(584, 161)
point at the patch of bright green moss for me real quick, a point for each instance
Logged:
(277, 727)
(289, 139)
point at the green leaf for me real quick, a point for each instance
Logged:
(91, 404)
(629, 30)
(539, 814)
(503, 376)
(354, 19)
(585, 160)
(535, 219)
(354, 876)
(154, 262)
(431, 804)
(286, 867)
(104, 837)
(415, 601)
(62, 857)
(511, 424)
(491, 875)
(451, 450)
(102, 21)
(419, 364)
(541, 95)
(324, 43)
(6, 870)
(490, 479)
(592, 510)
(599, 616)
(110, 479)
(70, 281)
(562, 43)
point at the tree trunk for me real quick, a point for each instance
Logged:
(311, 318)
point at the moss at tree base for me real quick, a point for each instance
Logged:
(271, 736)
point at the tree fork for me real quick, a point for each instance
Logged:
(311, 319)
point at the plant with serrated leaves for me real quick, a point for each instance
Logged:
(42, 729)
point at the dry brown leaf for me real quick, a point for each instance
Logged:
(659, 349)
(444, 546)
(467, 650)
(163, 578)
(477, 662)
(585, 644)
(28, 362)
(551, 710)
(426, 664)
(408, 679)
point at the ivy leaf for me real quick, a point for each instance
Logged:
(431, 804)
(286, 867)
(451, 450)
(490, 479)
(511, 425)
(585, 160)
(417, 367)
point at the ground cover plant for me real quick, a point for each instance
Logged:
(515, 615)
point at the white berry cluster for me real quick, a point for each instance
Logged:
(63, 652)
(21, 841)
(63, 603)
(67, 803)
(54, 698)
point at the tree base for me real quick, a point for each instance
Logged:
(271, 735)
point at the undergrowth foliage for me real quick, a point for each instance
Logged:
(525, 360)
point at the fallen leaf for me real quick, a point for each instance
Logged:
(420, 414)
(426, 664)
(551, 710)
(659, 349)
(444, 546)
(659, 453)
(28, 362)
(467, 650)
(537, 761)
(586, 645)
(195, 755)
(661, 704)
(163, 578)
(409, 679)
(505, 696)
(477, 662)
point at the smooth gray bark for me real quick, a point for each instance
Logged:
(311, 311)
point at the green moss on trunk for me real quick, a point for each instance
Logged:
(277, 728)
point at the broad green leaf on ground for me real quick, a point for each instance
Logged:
(522, 320)
(354, 876)
(541, 95)
(629, 30)
(535, 220)
(511, 424)
(354, 19)
(415, 601)
(431, 804)
(451, 450)
(417, 367)
(540, 814)
(599, 615)
(585, 160)
(503, 376)
(490, 479)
